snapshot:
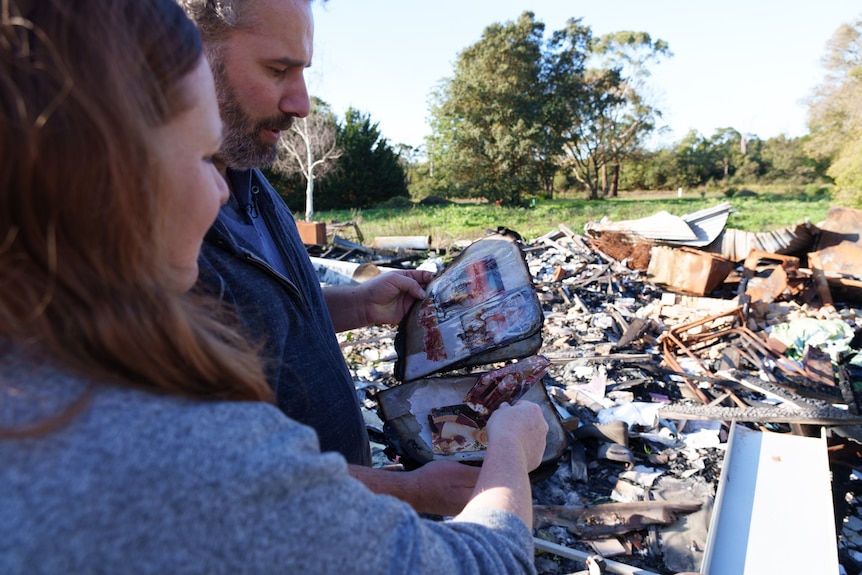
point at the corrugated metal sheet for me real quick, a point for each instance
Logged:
(735, 244)
(696, 229)
(706, 224)
(660, 225)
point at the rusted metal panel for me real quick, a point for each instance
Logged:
(312, 233)
(843, 258)
(839, 248)
(775, 282)
(842, 221)
(688, 270)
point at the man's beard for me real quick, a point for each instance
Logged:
(241, 148)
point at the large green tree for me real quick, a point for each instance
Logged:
(835, 112)
(566, 92)
(585, 142)
(369, 170)
(521, 108)
(786, 160)
(626, 58)
(697, 159)
(616, 114)
(486, 123)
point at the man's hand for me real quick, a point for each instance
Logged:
(383, 299)
(438, 487)
(388, 297)
(444, 487)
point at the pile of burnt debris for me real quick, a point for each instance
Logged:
(674, 346)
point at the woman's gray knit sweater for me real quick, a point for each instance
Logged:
(144, 483)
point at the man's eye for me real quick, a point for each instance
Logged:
(278, 71)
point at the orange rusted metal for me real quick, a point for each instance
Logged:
(681, 338)
(688, 270)
(840, 245)
(771, 286)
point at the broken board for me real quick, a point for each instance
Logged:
(773, 511)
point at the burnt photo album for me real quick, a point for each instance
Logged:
(482, 308)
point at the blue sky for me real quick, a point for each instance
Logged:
(746, 64)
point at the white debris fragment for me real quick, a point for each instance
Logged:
(634, 413)
(642, 475)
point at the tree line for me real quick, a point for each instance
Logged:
(530, 113)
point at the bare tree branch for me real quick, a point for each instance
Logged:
(309, 148)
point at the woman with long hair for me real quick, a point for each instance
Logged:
(136, 429)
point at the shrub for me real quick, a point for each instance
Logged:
(744, 193)
(397, 203)
(817, 190)
(434, 201)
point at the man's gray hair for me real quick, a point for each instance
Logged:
(215, 17)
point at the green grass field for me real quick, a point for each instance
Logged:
(469, 221)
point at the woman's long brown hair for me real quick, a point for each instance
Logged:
(82, 84)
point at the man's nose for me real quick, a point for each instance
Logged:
(294, 101)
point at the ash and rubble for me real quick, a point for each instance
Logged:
(647, 381)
